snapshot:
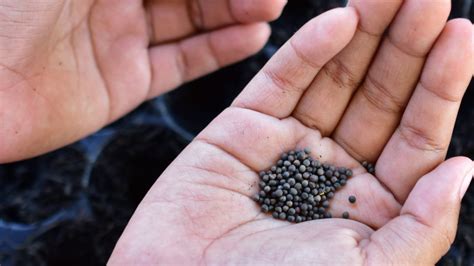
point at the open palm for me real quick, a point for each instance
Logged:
(68, 68)
(328, 88)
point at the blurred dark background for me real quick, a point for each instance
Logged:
(70, 206)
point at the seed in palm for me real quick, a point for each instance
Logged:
(299, 188)
(370, 167)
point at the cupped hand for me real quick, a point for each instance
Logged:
(68, 68)
(343, 88)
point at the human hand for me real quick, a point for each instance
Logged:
(68, 68)
(312, 94)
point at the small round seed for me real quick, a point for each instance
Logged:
(352, 199)
(302, 168)
(345, 215)
(278, 193)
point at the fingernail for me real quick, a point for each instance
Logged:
(465, 183)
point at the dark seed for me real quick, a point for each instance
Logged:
(298, 219)
(275, 214)
(320, 171)
(296, 163)
(291, 168)
(307, 150)
(291, 219)
(285, 208)
(325, 204)
(291, 158)
(302, 168)
(299, 177)
(265, 208)
(291, 181)
(345, 215)
(278, 193)
(298, 186)
(352, 199)
(291, 211)
(293, 191)
(289, 197)
(328, 173)
(305, 183)
(282, 216)
(278, 209)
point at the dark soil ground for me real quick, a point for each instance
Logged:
(70, 206)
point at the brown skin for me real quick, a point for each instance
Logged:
(200, 210)
(67, 68)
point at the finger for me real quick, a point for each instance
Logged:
(277, 88)
(422, 138)
(172, 20)
(324, 102)
(175, 63)
(426, 227)
(375, 110)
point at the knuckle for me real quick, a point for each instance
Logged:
(341, 75)
(420, 139)
(381, 97)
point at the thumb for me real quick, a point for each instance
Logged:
(427, 224)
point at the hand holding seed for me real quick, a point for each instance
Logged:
(351, 94)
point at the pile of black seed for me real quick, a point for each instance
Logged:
(298, 188)
(370, 167)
